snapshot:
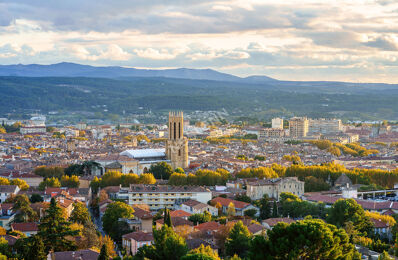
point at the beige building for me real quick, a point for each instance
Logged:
(277, 123)
(274, 187)
(272, 133)
(324, 126)
(177, 144)
(298, 127)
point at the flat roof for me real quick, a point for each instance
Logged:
(144, 153)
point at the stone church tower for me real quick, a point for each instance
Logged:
(177, 144)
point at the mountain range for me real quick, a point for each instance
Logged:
(66, 69)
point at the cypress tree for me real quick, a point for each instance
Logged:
(275, 210)
(104, 254)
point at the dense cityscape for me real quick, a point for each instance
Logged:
(199, 130)
(213, 190)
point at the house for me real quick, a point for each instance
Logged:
(7, 190)
(175, 222)
(11, 240)
(382, 228)
(131, 242)
(85, 254)
(180, 213)
(103, 205)
(240, 206)
(28, 228)
(7, 215)
(196, 207)
(255, 229)
(194, 243)
(269, 223)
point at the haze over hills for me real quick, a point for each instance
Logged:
(66, 69)
(73, 87)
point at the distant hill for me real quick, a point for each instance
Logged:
(260, 98)
(66, 69)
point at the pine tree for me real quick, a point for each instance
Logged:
(275, 210)
(104, 255)
(53, 230)
(35, 249)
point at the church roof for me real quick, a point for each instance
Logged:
(144, 153)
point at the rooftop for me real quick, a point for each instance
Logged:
(144, 153)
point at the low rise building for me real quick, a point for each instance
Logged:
(196, 207)
(165, 196)
(240, 206)
(131, 242)
(274, 187)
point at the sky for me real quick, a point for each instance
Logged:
(343, 40)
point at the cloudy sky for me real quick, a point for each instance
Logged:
(346, 40)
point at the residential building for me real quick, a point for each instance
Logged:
(277, 123)
(298, 127)
(274, 187)
(7, 190)
(161, 196)
(131, 242)
(269, 223)
(240, 206)
(324, 126)
(32, 130)
(28, 228)
(196, 207)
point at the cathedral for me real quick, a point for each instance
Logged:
(140, 160)
(177, 144)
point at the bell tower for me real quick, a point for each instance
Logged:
(177, 144)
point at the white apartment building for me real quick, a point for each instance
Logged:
(324, 126)
(277, 123)
(32, 130)
(161, 196)
(298, 127)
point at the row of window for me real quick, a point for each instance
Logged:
(159, 194)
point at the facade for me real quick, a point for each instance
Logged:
(133, 241)
(298, 127)
(270, 133)
(177, 144)
(240, 206)
(32, 130)
(324, 126)
(7, 190)
(194, 207)
(277, 123)
(274, 187)
(165, 196)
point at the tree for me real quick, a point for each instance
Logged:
(88, 167)
(49, 182)
(4, 181)
(113, 212)
(238, 240)
(305, 239)
(80, 214)
(275, 210)
(231, 209)
(167, 245)
(147, 178)
(53, 230)
(31, 248)
(167, 218)
(36, 198)
(265, 208)
(20, 183)
(243, 198)
(104, 255)
(179, 170)
(385, 256)
(108, 243)
(70, 181)
(199, 218)
(344, 210)
(24, 212)
(95, 184)
(161, 170)
(48, 171)
(250, 213)
(74, 169)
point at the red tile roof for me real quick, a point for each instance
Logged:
(273, 221)
(25, 227)
(139, 236)
(225, 202)
(208, 226)
(179, 213)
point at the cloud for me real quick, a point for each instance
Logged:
(383, 43)
(284, 38)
